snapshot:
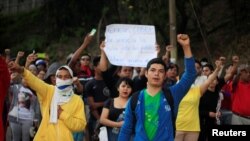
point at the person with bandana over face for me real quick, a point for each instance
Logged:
(62, 110)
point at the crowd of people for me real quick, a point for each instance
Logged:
(71, 101)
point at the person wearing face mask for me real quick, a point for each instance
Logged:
(62, 110)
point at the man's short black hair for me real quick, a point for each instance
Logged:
(197, 62)
(171, 66)
(156, 61)
(209, 66)
(204, 59)
(96, 61)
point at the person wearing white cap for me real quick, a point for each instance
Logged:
(62, 110)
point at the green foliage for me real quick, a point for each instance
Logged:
(79, 31)
(34, 42)
(62, 24)
(64, 38)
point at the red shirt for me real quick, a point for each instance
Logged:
(227, 97)
(4, 86)
(241, 99)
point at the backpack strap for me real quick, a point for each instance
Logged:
(133, 104)
(134, 100)
(170, 99)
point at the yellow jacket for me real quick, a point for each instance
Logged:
(72, 118)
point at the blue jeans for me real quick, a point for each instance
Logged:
(112, 136)
(91, 127)
(226, 117)
(78, 136)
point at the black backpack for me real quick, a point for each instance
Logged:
(168, 96)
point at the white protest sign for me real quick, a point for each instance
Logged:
(130, 45)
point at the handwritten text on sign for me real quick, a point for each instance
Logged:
(130, 45)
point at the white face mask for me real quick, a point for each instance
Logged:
(63, 93)
(64, 84)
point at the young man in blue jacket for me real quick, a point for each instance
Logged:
(151, 120)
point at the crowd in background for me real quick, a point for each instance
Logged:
(218, 95)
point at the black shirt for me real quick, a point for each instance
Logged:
(98, 90)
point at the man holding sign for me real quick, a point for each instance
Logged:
(126, 46)
(112, 74)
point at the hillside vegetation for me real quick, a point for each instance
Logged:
(219, 27)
